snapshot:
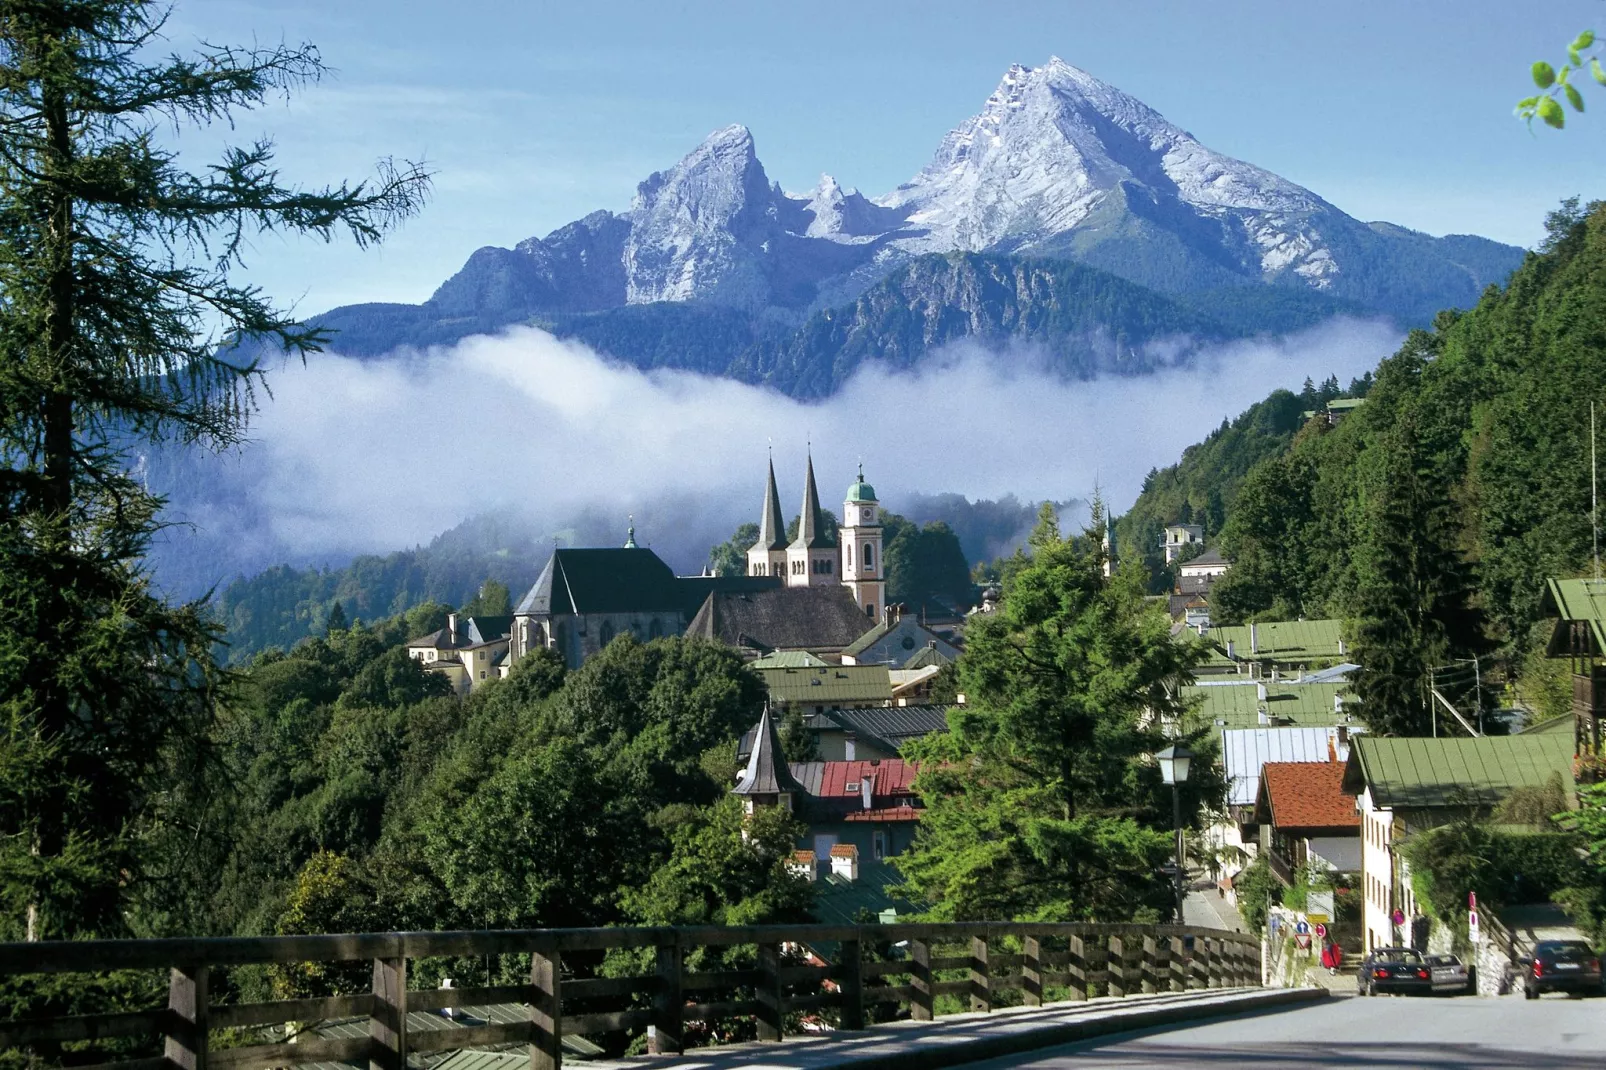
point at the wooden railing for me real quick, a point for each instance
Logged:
(1079, 960)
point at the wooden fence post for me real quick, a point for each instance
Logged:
(187, 1017)
(981, 983)
(1076, 966)
(1151, 964)
(850, 983)
(1178, 972)
(546, 1010)
(768, 992)
(1031, 970)
(669, 1002)
(1115, 963)
(921, 1006)
(387, 1023)
(1208, 962)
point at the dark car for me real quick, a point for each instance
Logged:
(1561, 966)
(1394, 969)
(1449, 974)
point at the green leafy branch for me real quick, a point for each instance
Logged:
(1554, 84)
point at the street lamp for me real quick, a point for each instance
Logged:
(1174, 761)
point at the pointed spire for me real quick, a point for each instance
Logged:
(630, 536)
(771, 527)
(767, 772)
(811, 527)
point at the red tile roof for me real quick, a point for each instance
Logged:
(844, 850)
(1306, 795)
(894, 776)
(885, 813)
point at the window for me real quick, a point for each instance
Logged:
(655, 630)
(868, 557)
(869, 610)
(607, 632)
(481, 656)
(869, 515)
(878, 844)
(850, 555)
(482, 674)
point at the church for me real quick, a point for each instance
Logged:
(852, 560)
(815, 593)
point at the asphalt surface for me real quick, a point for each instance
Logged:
(1382, 1033)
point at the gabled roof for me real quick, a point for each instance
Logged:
(612, 580)
(1580, 602)
(1238, 704)
(1305, 797)
(819, 619)
(487, 629)
(811, 526)
(887, 727)
(828, 685)
(1209, 557)
(1428, 773)
(694, 590)
(785, 659)
(766, 773)
(1244, 751)
(928, 655)
(771, 525)
(1285, 640)
(892, 779)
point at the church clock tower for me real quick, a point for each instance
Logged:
(863, 569)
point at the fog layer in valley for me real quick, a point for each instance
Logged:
(354, 456)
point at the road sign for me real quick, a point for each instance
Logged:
(1321, 930)
(1302, 940)
(1302, 928)
(1473, 931)
(1472, 901)
(1398, 917)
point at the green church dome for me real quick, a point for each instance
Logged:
(861, 491)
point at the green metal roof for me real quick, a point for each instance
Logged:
(1239, 705)
(1302, 641)
(838, 901)
(1581, 601)
(1345, 404)
(786, 659)
(868, 639)
(1426, 773)
(861, 491)
(829, 685)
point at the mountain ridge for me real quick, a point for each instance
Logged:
(1057, 165)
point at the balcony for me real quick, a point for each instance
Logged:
(1589, 706)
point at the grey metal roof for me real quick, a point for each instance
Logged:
(771, 525)
(1245, 750)
(895, 724)
(766, 772)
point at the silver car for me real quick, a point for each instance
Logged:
(1449, 974)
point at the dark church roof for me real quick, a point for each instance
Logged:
(771, 528)
(785, 618)
(811, 525)
(619, 580)
(767, 772)
(696, 589)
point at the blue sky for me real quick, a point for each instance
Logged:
(535, 113)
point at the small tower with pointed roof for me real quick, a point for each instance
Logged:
(863, 569)
(767, 557)
(767, 780)
(811, 559)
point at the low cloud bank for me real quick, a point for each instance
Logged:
(357, 456)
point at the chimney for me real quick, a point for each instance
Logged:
(448, 1012)
(1342, 649)
(1260, 692)
(1338, 704)
(845, 861)
(1232, 655)
(803, 864)
(866, 788)
(1342, 732)
(1254, 639)
(451, 628)
(1265, 717)
(850, 746)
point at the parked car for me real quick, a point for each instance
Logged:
(1393, 969)
(1561, 966)
(1449, 974)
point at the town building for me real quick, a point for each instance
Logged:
(900, 641)
(853, 559)
(1179, 537)
(469, 651)
(816, 689)
(1276, 649)
(865, 733)
(1406, 785)
(1303, 817)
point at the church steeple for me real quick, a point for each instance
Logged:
(771, 525)
(811, 527)
(630, 535)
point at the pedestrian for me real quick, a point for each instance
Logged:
(1332, 957)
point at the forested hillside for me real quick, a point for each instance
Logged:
(1432, 515)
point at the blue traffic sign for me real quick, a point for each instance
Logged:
(1302, 928)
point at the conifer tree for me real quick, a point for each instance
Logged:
(121, 324)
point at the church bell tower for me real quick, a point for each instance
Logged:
(863, 569)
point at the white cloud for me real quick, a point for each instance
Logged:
(355, 456)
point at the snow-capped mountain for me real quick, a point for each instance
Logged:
(1057, 165)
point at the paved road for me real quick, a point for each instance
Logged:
(1390, 1033)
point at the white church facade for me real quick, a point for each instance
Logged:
(853, 559)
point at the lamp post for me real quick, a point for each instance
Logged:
(1174, 762)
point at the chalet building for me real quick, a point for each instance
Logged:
(857, 811)
(816, 689)
(1405, 785)
(864, 734)
(469, 651)
(1302, 816)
